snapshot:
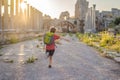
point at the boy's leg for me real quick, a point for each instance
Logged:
(50, 61)
(50, 57)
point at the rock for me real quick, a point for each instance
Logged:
(1, 54)
(118, 55)
(117, 59)
(111, 52)
(8, 60)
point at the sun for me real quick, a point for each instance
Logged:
(23, 6)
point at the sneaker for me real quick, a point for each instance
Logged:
(49, 66)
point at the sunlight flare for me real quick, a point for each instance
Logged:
(23, 6)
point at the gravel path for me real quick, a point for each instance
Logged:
(72, 61)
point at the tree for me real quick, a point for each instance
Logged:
(81, 26)
(117, 21)
(112, 24)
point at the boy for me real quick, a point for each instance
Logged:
(50, 48)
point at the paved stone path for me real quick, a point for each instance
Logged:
(72, 61)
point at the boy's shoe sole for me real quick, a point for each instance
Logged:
(49, 66)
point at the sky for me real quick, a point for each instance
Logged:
(55, 7)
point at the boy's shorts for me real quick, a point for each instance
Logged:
(51, 52)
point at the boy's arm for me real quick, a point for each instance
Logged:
(64, 39)
(60, 37)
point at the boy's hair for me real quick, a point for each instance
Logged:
(52, 30)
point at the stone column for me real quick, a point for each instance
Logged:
(1, 32)
(21, 17)
(27, 18)
(17, 7)
(88, 21)
(5, 14)
(34, 20)
(39, 16)
(30, 18)
(29, 21)
(12, 14)
(40, 21)
(37, 20)
(94, 18)
(20, 7)
(16, 17)
(0, 16)
(91, 21)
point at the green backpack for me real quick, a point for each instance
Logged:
(49, 38)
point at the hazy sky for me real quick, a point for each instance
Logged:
(55, 7)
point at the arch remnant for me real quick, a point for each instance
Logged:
(67, 26)
(64, 15)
